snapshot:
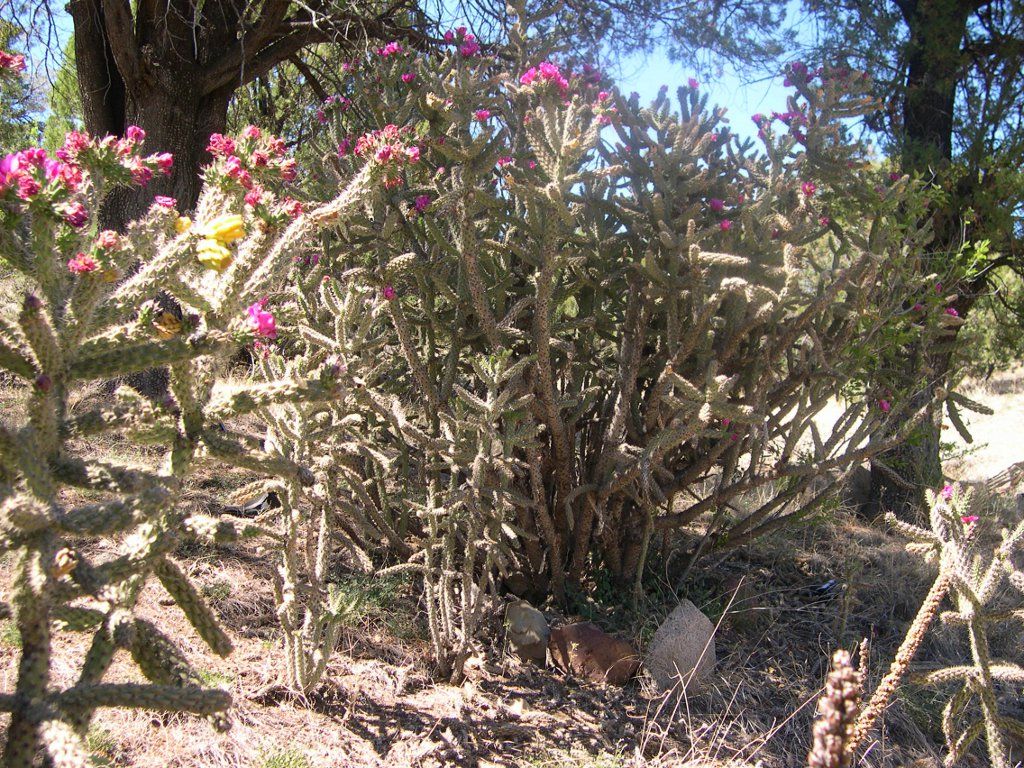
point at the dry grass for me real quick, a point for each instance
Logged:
(777, 629)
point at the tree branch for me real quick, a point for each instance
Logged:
(120, 35)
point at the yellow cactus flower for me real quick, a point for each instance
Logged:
(182, 225)
(64, 562)
(213, 254)
(226, 229)
(167, 325)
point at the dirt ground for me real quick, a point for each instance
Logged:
(777, 625)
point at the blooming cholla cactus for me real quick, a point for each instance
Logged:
(88, 316)
(978, 583)
(578, 322)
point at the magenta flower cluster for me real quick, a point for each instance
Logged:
(390, 149)
(262, 322)
(468, 45)
(12, 62)
(32, 174)
(546, 73)
(253, 157)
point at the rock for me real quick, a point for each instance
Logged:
(586, 650)
(682, 649)
(856, 491)
(745, 611)
(527, 631)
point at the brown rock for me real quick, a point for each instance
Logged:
(745, 609)
(586, 650)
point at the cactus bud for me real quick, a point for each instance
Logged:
(213, 255)
(44, 383)
(226, 229)
(32, 303)
(167, 325)
(64, 562)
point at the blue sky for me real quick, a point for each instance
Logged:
(646, 74)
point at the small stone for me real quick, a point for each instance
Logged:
(586, 650)
(527, 631)
(856, 490)
(682, 649)
(745, 610)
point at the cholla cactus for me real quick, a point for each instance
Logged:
(577, 323)
(978, 584)
(838, 709)
(88, 316)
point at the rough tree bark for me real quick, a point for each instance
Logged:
(934, 68)
(171, 67)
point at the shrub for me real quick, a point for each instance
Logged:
(576, 323)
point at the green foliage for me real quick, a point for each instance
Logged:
(992, 341)
(9, 635)
(65, 111)
(289, 758)
(17, 103)
(217, 591)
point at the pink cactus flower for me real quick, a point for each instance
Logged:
(469, 48)
(292, 207)
(76, 215)
(884, 405)
(692, 82)
(389, 293)
(15, 62)
(481, 115)
(164, 161)
(725, 225)
(135, 134)
(408, 77)
(220, 145)
(421, 203)
(81, 264)
(968, 519)
(165, 202)
(946, 492)
(716, 204)
(809, 188)
(952, 312)
(261, 321)
(254, 196)
(108, 240)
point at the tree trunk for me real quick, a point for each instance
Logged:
(176, 121)
(937, 30)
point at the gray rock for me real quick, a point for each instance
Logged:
(682, 652)
(527, 631)
(856, 493)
